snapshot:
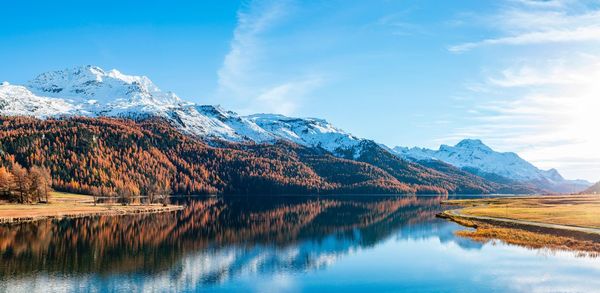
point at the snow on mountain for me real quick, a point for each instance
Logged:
(91, 91)
(474, 154)
(307, 131)
(214, 123)
(97, 92)
(18, 100)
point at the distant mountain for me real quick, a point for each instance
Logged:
(435, 173)
(594, 189)
(474, 156)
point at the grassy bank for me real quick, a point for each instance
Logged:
(69, 205)
(571, 210)
(554, 222)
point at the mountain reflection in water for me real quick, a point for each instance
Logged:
(215, 241)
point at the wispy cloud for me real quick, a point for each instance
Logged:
(581, 34)
(528, 22)
(544, 105)
(248, 78)
(550, 73)
(247, 46)
(283, 98)
(549, 119)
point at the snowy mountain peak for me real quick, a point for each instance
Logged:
(553, 175)
(92, 85)
(57, 81)
(473, 144)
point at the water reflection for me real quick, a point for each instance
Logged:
(238, 243)
(152, 243)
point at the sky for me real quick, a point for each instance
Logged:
(522, 75)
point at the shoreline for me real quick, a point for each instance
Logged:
(566, 222)
(107, 212)
(73, 206)
(583, 233)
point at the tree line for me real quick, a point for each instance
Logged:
(155, 192)
(18, 184)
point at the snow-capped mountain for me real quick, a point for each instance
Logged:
(475, 156)
(91, 91)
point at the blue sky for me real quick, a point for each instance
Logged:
(519, 74)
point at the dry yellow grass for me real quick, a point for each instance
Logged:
(486, 233)
(57, 196)
(572, 210)
(71, 205)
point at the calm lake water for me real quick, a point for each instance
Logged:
(280, 244)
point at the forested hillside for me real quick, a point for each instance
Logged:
(101, 155)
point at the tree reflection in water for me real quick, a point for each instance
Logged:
(212, 239)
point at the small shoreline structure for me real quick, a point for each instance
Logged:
(565, 222)
(71, 206)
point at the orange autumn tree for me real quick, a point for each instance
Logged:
(25, 186)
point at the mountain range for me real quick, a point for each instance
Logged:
(62, 98)
(473, 156)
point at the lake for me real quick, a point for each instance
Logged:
(280, 244)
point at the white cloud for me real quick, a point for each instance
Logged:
(542, 103)
(249, 78)
(528, 22)
(247, 46)
(283, 98)
(581, 34)
(553, 122)
(543, 3)
(551, 73)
